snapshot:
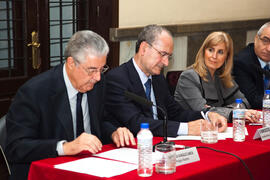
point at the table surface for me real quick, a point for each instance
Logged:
(212, 165)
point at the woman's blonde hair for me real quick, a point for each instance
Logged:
(214, 39)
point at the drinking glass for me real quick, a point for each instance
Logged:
(209, 131)
(166, 158)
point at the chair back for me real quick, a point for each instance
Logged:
(3, 131)
(172, 79)
(4, 168)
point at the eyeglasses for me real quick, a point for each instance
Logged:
(93, 70)
(265, 40)
(163, 54)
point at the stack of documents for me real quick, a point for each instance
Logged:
(114, 164)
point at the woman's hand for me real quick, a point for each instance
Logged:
(252, 115)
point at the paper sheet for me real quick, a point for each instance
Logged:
(129, 155)
(121, 154)
(97, 166)
(221, 136)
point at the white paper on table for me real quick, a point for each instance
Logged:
(229, 133)
(121, 154)
(221, 136)
(129, 155)
(97, 166)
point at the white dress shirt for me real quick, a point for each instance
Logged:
(72, 97)
(263, 64)
(183, 127)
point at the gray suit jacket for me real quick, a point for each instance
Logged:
(194, 93)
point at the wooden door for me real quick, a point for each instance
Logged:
(33, 35)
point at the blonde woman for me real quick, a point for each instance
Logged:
(208, 84)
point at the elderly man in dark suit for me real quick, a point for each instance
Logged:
(60, 112)
(141, 75)
(251, 67)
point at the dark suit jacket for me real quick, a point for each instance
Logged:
(248, 75)
(132, 114)
(40, 116)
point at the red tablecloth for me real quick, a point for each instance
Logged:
(212, 165)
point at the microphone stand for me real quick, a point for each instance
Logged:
(165, 129)
(147, 103)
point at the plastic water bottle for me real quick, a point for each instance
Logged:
(145, 147)
(266, 109)
(239, 121)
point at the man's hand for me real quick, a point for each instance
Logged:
(194, 127)
(122, 136)
(85, 142)
(221, 120)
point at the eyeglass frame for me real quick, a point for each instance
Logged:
(265, 40)
(92, 70)
(161, 53)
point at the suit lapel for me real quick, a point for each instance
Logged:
(62, 109)
(135, 80)
(260, 76)
(137, 85)
(92, 99)
(158, 95)
(61, 105)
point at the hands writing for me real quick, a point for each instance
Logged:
(220, 120)
(88, 142)
(194, 127)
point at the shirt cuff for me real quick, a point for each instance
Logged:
(59, 148)
(183, 129)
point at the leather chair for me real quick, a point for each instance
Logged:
(3, 131)
(4, 167)
(172, 79)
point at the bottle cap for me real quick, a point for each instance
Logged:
(144, 125)
(238, 101)
(267, 91)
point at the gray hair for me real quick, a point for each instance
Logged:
(262, 28)
(84, 42)
(149, 34)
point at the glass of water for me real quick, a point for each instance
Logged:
(165, 158)
(209, 131)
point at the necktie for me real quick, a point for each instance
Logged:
(266, 79)
(79, 115)
(148, 89)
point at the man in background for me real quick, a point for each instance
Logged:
(60, 112)
(142, 76)
(251, 67)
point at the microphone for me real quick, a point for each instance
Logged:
(138, 99)
(145, 102)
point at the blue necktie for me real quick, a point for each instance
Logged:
(79, 115)
(148, 89)
(266, 79)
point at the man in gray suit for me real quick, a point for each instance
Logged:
(60, 112)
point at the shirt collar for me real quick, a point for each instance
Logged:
(142, 75)
(263, 64)
(70, 89)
